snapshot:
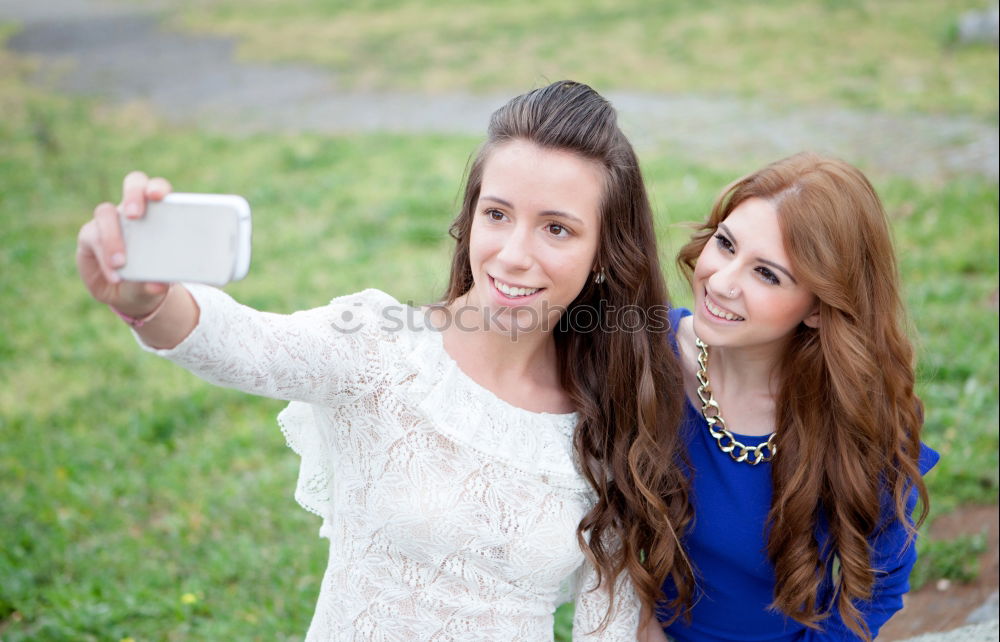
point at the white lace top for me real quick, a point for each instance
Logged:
(451, 514)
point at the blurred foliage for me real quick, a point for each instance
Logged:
(872, 54)
(952, 559)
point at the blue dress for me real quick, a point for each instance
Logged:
(735, 579)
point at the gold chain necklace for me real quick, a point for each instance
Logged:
(710, 410)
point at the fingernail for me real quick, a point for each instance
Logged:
(132, 209)
(117, 259)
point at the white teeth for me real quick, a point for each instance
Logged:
(719, 312)
(512, 291)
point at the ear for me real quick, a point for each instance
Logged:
(812, 319)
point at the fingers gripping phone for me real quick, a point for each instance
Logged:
(204, 238)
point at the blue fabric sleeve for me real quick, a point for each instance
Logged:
(893, 557)
(674, 315)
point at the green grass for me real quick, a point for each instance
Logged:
(956, 559)
(871, 54)
(139, 502)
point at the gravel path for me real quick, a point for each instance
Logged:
(120, 53)
(982, 632)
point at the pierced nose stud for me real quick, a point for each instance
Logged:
(732, 292)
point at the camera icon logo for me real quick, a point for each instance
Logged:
(347, 322)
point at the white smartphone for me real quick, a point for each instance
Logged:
(204, 238)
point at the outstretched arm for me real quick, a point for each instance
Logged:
(320, 355)
(307, 356)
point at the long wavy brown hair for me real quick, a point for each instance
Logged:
(847, 419)
(626, 385)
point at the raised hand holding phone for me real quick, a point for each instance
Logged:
(163, 315)
(203, 238)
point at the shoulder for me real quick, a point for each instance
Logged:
(676, 316)
(371, 298)
(682, 338)
(367, 316)
(368, 305)
(928, 458)
(678, 319)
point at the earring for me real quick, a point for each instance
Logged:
(599, 277)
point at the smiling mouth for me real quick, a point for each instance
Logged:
(513, 291)
(720, 313)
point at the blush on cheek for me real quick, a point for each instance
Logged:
(784, 315)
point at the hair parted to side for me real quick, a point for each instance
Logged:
(626, 386)
(848, 421)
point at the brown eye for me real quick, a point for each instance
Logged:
(724, 243)
(556, 229)
(768, 276)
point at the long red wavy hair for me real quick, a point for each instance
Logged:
(847, 418)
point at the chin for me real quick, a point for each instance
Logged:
(712, 334)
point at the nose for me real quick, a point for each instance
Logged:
(725, 283)
(516, 253)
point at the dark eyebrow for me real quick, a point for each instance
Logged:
(556, 213)
(732, 237)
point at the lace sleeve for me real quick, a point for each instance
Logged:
(316, 355)
(592, 607)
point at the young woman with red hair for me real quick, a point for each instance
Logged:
(803, 428)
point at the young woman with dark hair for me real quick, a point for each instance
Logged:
(802, 426)
(454, 461)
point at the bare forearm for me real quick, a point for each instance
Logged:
(175, 320)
